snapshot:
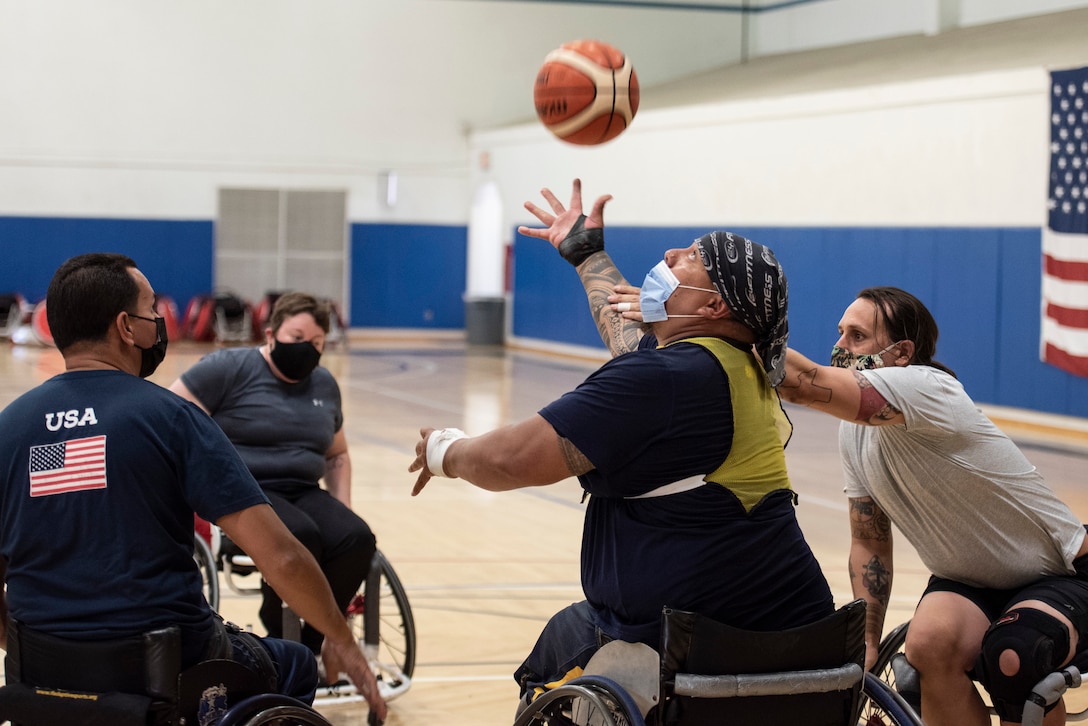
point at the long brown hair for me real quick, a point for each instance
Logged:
(906, 318)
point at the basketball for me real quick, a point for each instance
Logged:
(586, 92)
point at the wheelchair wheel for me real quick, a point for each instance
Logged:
(272, 709)
(202, 553)
(892, 644)
(382, 621)
(884, 707)
(584, 701)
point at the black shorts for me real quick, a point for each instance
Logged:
(1067, 595)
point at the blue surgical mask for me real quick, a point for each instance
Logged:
(842, 358)
(659, 285)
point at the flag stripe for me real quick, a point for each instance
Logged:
(1067, 317)
(68, 466)
(1064, 339)
(1065, 269)
(1066, 293)
(1076, 364)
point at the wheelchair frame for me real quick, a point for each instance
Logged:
(598, 699)
(1045, 693)
(379, 614)
(167, 696)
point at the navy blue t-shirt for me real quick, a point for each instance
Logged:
(649, 418)
(100, 473)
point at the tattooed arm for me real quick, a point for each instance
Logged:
(841, 392)
(599, 276)
(870, 567)
(580, 240)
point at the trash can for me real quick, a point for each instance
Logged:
(485, 320)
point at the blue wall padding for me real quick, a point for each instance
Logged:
(981, 284)
(176, 256)
(408, 275)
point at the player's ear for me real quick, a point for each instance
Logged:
(123, 325)
(904, 352)
(718, 310)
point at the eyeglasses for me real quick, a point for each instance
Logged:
(141, 317)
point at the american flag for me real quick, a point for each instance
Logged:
(1065, 239)
(70, 466)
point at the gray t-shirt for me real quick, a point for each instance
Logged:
(282, 430)
(970, 502)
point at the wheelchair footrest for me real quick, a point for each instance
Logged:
(907, 681)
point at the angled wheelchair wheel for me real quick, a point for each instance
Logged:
(382, 621)
(202, 553)
(889, 647)
(271, 709)
(884, 707)
(584, 701)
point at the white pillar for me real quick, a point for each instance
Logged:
(485, 302)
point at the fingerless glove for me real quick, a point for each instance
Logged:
(580, 243)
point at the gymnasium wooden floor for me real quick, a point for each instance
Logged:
(485, 571)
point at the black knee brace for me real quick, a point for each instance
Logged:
(1041, 642)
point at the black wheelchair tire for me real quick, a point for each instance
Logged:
(613, 706)
(393, 629)
(272, 708)
(889, 646)
(883, 702)
(202, 553)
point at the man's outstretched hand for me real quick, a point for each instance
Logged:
(560, 222)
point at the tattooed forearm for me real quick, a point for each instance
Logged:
(876, 587)
(877, 580)
(801, 387)
(873, 406)
(599, 275)
(577, 463)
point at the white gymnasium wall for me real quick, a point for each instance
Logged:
(128, 108)
(124, 108)
(956, 151)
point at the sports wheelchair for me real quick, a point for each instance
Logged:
(134, 681)
(379, 614)
(711, 673)
(891, 666)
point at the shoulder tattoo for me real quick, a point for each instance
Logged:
(577, 463)
(872, 406)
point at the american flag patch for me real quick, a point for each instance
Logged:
(70, 466)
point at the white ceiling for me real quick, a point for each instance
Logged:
(673, 40)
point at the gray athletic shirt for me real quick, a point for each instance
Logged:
(282, 430)
(959, 489)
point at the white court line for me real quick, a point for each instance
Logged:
(461, 679)
(422, 401)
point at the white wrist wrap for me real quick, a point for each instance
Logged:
(437, 445)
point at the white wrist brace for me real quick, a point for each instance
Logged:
(437, 445)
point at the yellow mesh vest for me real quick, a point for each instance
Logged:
(756, 464)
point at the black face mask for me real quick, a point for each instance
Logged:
(295, 360)
(151, 357)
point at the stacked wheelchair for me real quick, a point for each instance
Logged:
(711, 673)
